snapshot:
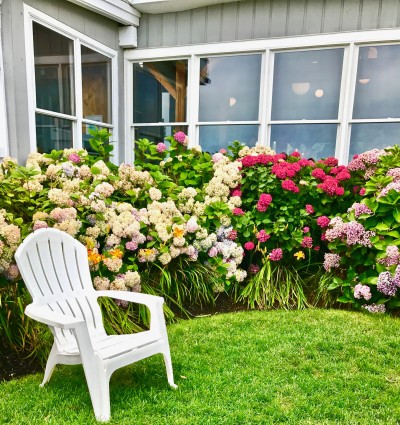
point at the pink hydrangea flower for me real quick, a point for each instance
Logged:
(263, 202)
(232, 235)
(331, 261)
(223, 151)
(237, 192)
(180, 137)
(362, 291)
(254, 268)
(161, 147)
(213, 251)
(290, 185)
(131, 245)
(362, 191)
(75, 158)
(309, 209)
(331, 161)
(263, 236)
(217, 157)
(296, 154)
(276, 254)
(249, 246)
(306, 229)
(238, 211)
(307, 242)
(323, 221)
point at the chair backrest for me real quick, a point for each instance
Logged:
(55, 269)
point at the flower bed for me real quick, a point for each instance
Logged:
(187, 225)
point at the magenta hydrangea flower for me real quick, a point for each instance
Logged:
(237, 192)
(309, 209)
(74, 157)
(263, 202)
(323, 221)
(318, 173)
(276, 254)
(331, 161)
(263, 236)
(290, 185)
(161, 147)
(362, 191)
(296, 154)
(307, 242)
(180, 137)
(249, 246)
(238, 211)
(306, 229)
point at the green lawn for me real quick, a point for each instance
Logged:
(277, 367)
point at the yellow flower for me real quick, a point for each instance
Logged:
(299, 255)
(178, 233)
(116, 253)
(94, 257)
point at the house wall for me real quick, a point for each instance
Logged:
(254, 19)
(95, 26)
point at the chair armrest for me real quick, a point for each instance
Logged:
(43, 315)
(153, 302)
(134, 297)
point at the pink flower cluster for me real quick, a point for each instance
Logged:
(360, 162)
(362, 291)
(263, 236)
(75, 158)
(307, 242)
(394, 173)
(263, 202)
(375, 308)
(233, 234)
(309, 209)
(392, 256)
(323, 221)
(318, 173)
(331, 261)
(284, 169)
(263, 159)
(330, 161)
(387, 284)
(238, 211)
(353, 233)
(290, 185)
(331, 186)
(359, 209)
(161, 147)
(276, 254)
(249, 246)
(254, 268)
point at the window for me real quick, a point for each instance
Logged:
(159, 99)
(306, 87)
(323, 95)
(376, 109)
(74, 86)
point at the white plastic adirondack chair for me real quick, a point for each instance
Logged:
(55, 269)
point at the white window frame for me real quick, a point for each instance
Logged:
(350, 41)
(32, 15)
(4, 149)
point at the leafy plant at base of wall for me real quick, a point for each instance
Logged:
(363, 265)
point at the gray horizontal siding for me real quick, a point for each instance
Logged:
(253, 19)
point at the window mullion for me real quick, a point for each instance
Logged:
(347, 95)
(264, 106)
(77, 133)
(193, 99)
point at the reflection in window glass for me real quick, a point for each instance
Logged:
(311, 140)
(54, 70)
(378, 85)
(86, 136)
(52, 133)
(159, 91)
(307, 85)
(157, 134)
(373, 135)
(96, 85)
(230, 88)
(215, 137)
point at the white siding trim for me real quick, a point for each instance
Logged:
(117, 10)
(4, 149)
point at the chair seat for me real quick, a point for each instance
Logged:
(111, 346)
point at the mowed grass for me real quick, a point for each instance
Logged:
(276, 367)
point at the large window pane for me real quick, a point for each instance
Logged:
(373, 135)
(378, 85)
(157, 134)
(96, 85)
(307, 85)
(311, 140)
(230, 88)
(52, 133)
(215, 137)
(159, 91)
(54, 70)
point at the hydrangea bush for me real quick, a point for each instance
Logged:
(364, 243)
